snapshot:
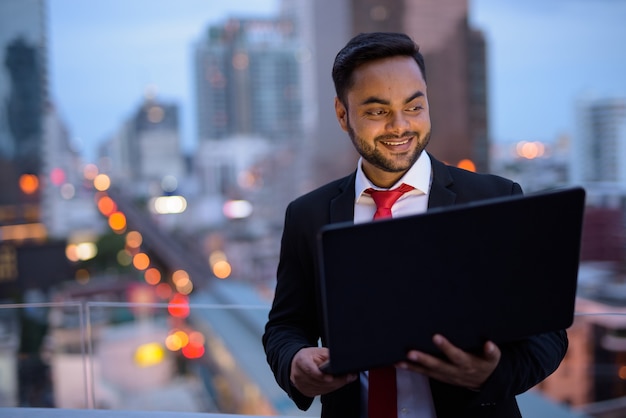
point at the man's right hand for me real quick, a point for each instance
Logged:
(307, 377)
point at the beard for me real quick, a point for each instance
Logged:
(398, 164)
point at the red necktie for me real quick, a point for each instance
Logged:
(385, 199)
(382, 394)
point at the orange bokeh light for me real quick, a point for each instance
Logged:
(134, 239)
(530, 150)
(176, 340)
(152, 276)
(163, 291)
(222, 269)
(117, 221)
(467, 164)
(29, 183)
(180, 276)
(141, 261)
(106, 205)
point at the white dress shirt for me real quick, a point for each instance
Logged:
(414, 396)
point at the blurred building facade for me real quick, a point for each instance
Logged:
(23, 97)
(598, 162)
(456, 70)
(247, 80)
(146, 148)
(456, 74)
(599, 151)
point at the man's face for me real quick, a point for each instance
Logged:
(386, 116)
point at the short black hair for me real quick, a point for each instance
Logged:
(367, 47)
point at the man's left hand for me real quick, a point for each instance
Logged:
(459, 368)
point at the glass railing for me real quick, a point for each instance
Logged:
(195, 355)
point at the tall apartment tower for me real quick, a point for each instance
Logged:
(23, 92)
(247, 79)
(456, 76)
(456, 71)
(599, 148)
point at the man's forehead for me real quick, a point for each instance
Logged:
(386, 69)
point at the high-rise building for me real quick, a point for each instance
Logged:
(456, 76)
(23, 93)
(247, 80)
(456, 72)
(599, 148)
(323, 26)
(598, 163)
(146, 148)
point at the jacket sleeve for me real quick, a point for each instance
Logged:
(523, 365)
(292, 323)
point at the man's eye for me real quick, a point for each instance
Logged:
(377, 112)
(415, 108)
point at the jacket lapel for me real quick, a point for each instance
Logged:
(440, 192)
(342, 206)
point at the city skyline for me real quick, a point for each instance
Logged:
(541, 58)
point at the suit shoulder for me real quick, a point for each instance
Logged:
(323, 193)
(487, 185)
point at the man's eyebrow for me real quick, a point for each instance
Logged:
(414, 96)
(377, 100)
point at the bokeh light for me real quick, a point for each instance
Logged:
(90, 171)
(134, 239)
(237, 209)
(117, 222)
(222, 269)
(106, 205)
(149, 354)
(168, 204)
(193, 350)
(152, 276)
(68, 191)
(82, 276)
(101, 182)
(57, 176)
(141, 261)
(124, 258)
(164, 291)
(176, 340)
(180, 277)
(467, 165)
(29, 183)
(530, 150)
(178, 306)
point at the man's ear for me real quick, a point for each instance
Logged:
(342, 114)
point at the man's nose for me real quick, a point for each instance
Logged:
(398, 122)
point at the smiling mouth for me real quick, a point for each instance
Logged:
(395, 143)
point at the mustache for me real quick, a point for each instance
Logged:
(387, 137)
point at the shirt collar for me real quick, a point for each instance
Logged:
(418, 176)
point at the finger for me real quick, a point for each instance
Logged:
(423, 362)
(452, 352)
(492, 352)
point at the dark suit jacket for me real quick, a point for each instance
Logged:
(295, 319)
